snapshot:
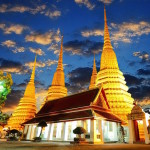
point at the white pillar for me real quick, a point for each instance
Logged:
(131, 131)
(145, 132)
(93, 137)
(65, 131)
(83, 124)
(49, 131)
(101, 131)
(29, 133)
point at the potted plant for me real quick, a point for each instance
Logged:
(79, 131)
(41, 124)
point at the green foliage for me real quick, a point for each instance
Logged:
(5, 87)
(3, 118)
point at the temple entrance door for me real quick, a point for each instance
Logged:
(136, 130)
(139, 131)
(137, 126)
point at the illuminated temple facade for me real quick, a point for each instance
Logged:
(26, 108)
(100, 110)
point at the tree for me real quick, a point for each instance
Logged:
(5, 87)
(79, 131)
(42, 124)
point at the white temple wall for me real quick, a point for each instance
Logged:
(98, 131)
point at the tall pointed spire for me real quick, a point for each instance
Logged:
(58, 89)
(107, 43)
(94, 76)
(26, 108)
(120, 101)
(33, 70)
(60, 60)
(108, 58)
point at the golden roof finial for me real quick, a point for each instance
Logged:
(60, 61)
(94, 66)
(94, 75)
(33, 70)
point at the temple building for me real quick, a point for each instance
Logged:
(114, 84)
(26, 108)
(88, 109)
(101, 110)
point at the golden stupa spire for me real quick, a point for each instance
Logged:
(26, 108)
(114, 84)
(108, 59)
(107, 42)
(58, 89)
(33, 70)
(60, 60)
(94, 76)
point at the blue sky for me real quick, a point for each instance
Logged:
(37, 25)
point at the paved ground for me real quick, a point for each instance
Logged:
(5, 145)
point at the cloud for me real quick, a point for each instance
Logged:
(40, 95)
(79, 79)
(106, 1)
(53, 14)
(9, 43)
(55, 48)
(138, 87)
(18, 29)
(87, 3)
(12, 101)
(92, 32)
(50, 11)
(38, 64)
(19, 50)
(11, 66)
(51, 62)
(85, 47)
(38, 51)
(44, 38)
(144, 56)
(132, 80)
(127, 30)
(143, 72)
(12, 44)
(140, 92)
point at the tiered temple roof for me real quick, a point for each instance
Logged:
(85, 105)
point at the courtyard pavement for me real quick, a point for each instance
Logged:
(28, 145)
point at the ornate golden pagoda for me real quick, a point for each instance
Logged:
(94, 76)
(114, 84)
(26, 108)
(58, 89)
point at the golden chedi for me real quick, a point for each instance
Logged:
(58, 89)
(94, 76)
(114, 84)
(26, 108)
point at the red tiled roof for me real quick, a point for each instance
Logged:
(108, 116)
(69, 102)
(62, 117)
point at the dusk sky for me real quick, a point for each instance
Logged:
(27, 27)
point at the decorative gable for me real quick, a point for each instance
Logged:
(101, 100)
